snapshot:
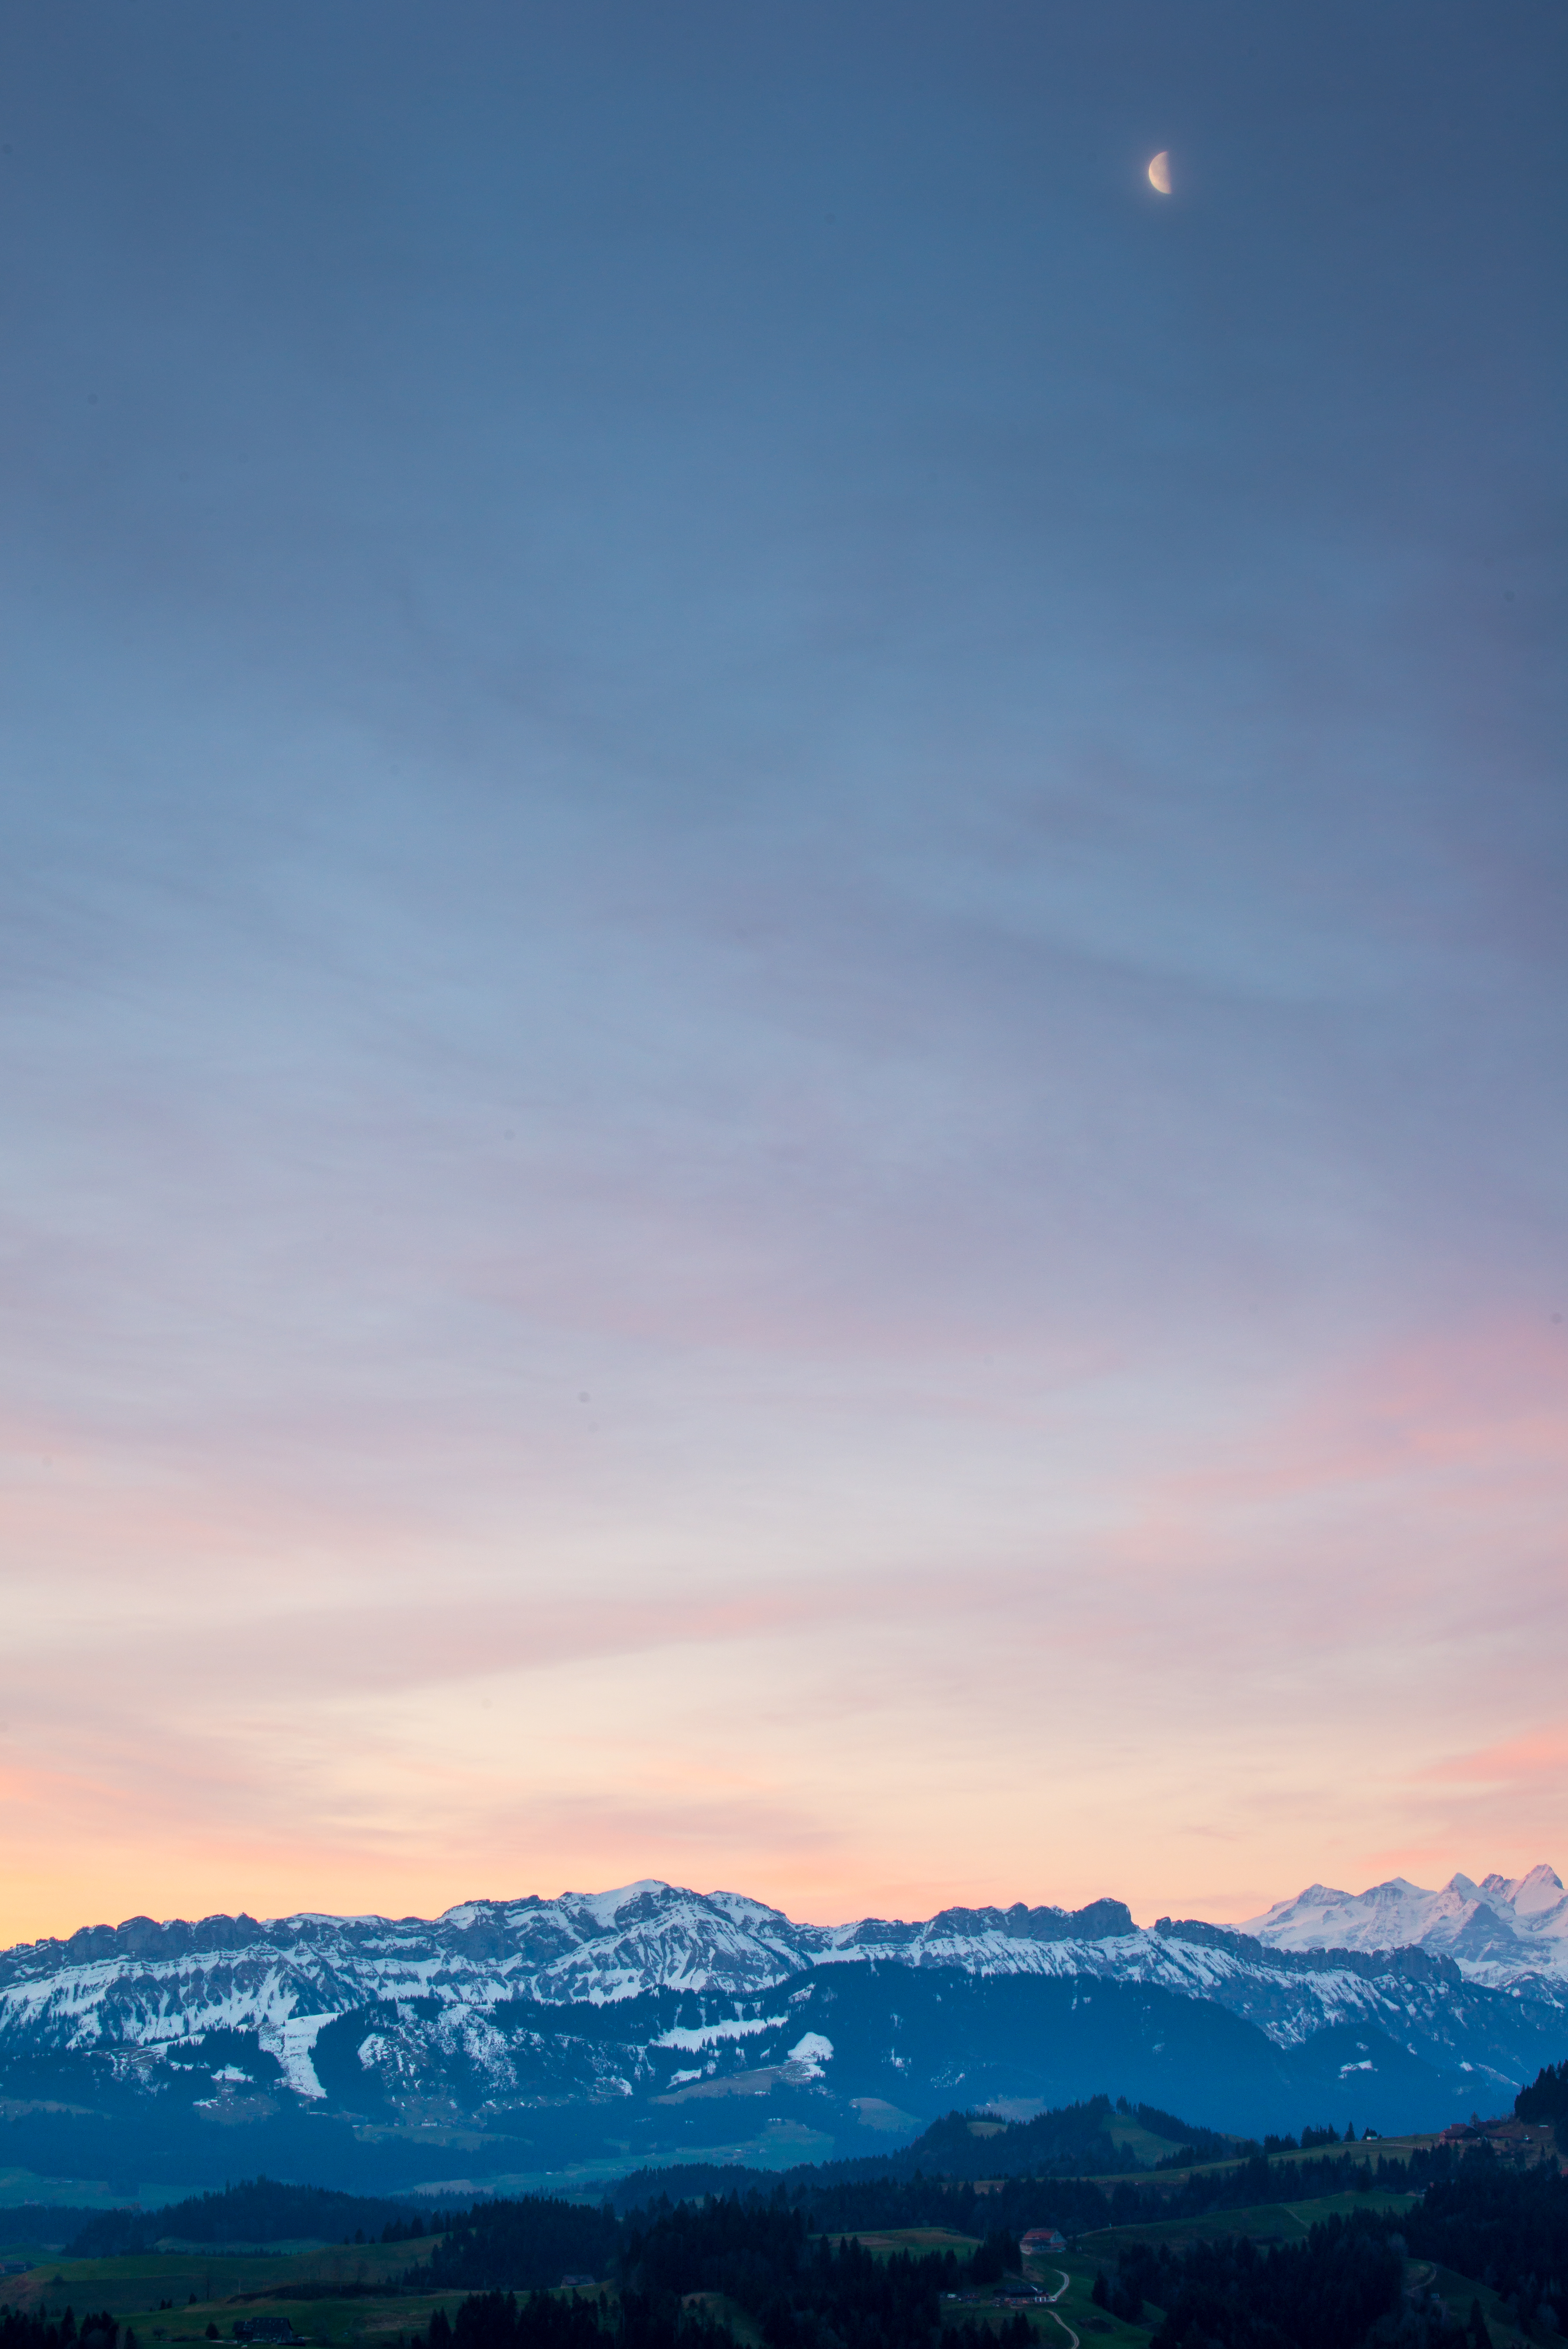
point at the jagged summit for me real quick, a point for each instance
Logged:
(523, 2023)
(597, 1947)
(145, 1984)
(1528, 1896)
(1505, 1929)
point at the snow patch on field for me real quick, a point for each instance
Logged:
(299, 2035)
(812, 2053)
(708, 2035)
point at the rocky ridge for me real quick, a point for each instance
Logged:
(152, 1986)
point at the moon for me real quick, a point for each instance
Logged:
(1160, 172)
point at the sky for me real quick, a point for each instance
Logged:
(783, 937)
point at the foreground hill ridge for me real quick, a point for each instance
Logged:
(790, 2265)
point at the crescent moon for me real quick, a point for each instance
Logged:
(1160, 172)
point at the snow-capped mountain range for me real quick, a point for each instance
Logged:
(516, 2039)
(152, 1985)
(1502, 1930)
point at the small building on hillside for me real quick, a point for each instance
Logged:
(1037, 2240)
(1514, 2140)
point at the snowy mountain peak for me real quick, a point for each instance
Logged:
(1528, 1896)
(1502, 1930)
(644, 1900)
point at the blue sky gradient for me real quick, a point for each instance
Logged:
(781, 906)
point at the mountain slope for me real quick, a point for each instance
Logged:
(145, 1985)
(506, 2039)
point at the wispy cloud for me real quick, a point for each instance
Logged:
(778, 1031)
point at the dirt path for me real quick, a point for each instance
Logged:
(1064, 2281)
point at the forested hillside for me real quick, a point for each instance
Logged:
(1355, 2283)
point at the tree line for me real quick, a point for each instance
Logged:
(258, 2210)
(802, 2290)
(20, 2329)
(1341, 2288)
(519, 2245)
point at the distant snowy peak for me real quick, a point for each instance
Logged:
(1501, 1930)
(1538, 1895)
